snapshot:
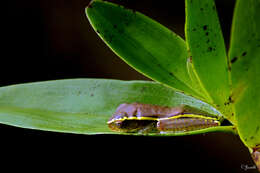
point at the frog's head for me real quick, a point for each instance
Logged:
(125, 119)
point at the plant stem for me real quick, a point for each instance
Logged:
(255, 153)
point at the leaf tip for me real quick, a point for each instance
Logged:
(90, 5)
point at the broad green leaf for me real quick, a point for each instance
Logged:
(207, 51)
(84, 105)
(244, 57)
(144, 44)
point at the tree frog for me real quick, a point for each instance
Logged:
(147, 118)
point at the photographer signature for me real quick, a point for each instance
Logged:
(247, 167)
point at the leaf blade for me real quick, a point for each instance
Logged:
(82, 105)
(144, 44)
(244, 56)
(207, 49)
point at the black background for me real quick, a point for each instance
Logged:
(52, 39)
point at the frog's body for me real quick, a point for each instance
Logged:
(143, 118)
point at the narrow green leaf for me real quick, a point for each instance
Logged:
(144, 44)
(207, 50)
(84, 105)
(195, 79)
(244, 57)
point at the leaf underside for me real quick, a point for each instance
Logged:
(84, 106)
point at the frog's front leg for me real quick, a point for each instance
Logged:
(149, 128)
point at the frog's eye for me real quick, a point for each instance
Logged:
(115, 125)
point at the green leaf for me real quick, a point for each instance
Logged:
(207, 50)
(84, 105)
(194, 78)
(244, 57)
(144, 44)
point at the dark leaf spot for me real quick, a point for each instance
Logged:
(127, 23)
(209, 49)
(244, 53)
(230, 99)
(171, 74)
(201, 9)
(234, 59)
(257, 129)
(91, 94)
(208, 41)
(207, 33)
(205, 27)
